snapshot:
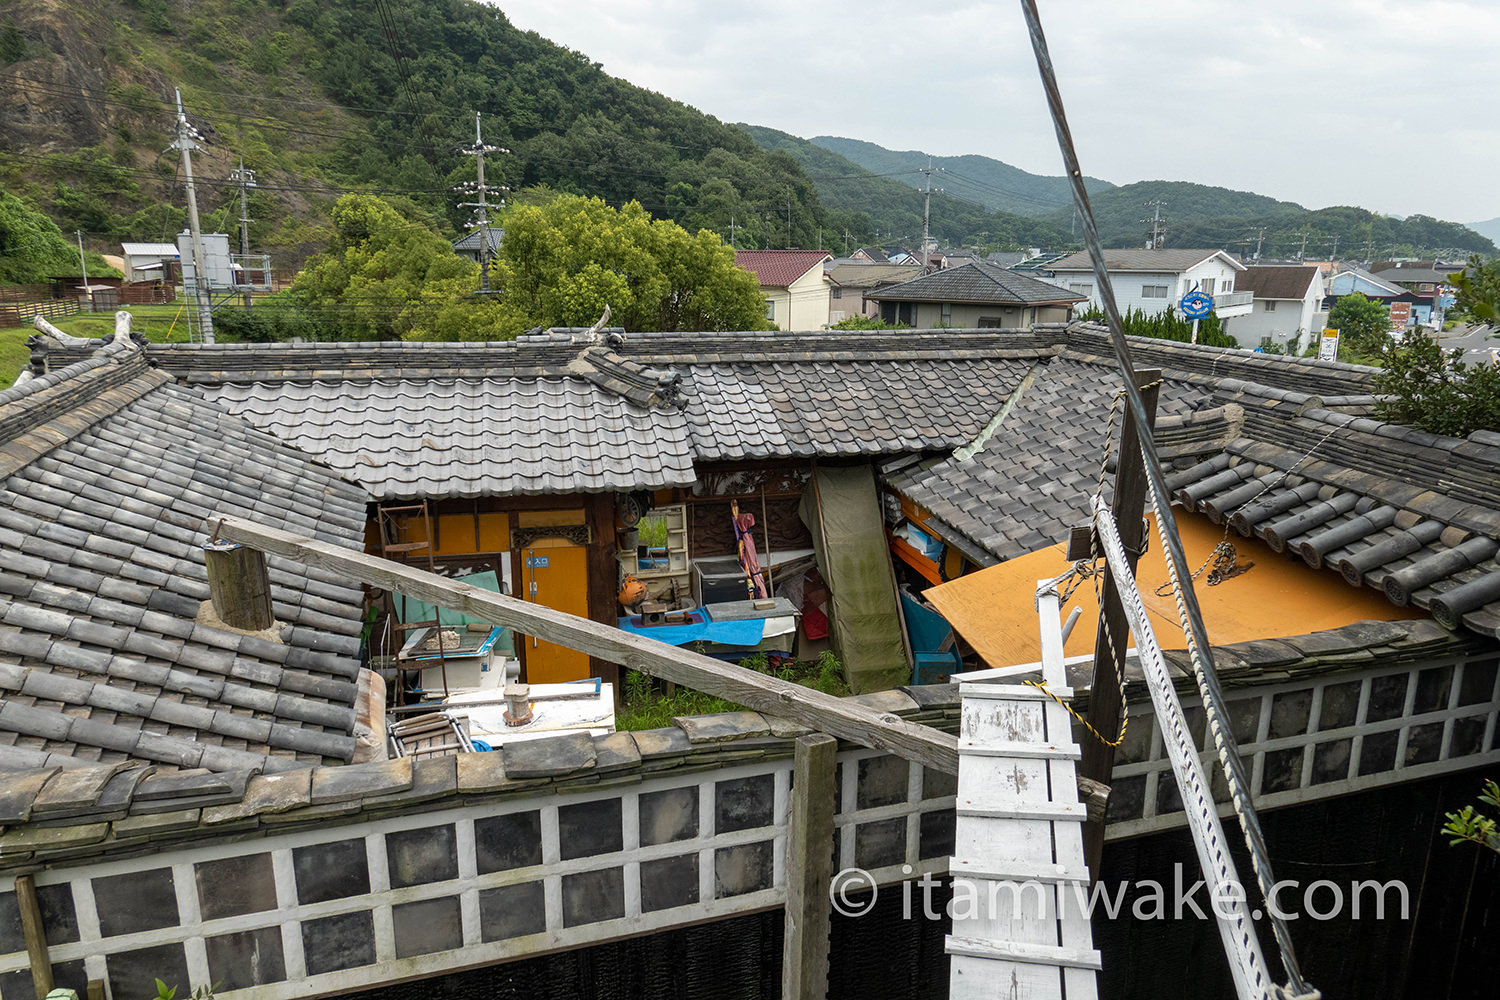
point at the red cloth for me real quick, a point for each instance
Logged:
(748, 558)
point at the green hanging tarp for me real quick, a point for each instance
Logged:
(841, 508)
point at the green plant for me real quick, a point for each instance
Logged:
(1424, 386)
(866, 323)
(1364, 325)
(1470, 825)
(1167, 325)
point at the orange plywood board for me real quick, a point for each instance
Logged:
(992, 608)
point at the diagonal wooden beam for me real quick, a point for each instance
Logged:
(821, 712)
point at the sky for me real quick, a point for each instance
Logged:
(1390, 106)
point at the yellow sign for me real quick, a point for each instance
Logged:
(1328, 346)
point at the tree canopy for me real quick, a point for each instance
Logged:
(387, 276)
(1424, 386)
(564, 261)
(33, 249)
(1363, 324)
(1478, 288)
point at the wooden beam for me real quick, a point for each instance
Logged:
(809, 870)
(35, 935)
(1105, 703)
(603, 582)
(822, 712)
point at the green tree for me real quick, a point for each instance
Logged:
(387, 275)
(562, 262)
(1478, 289)
(33, 249)
(1364, 324)
(1427, 387)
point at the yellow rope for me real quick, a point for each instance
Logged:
(1124, 715)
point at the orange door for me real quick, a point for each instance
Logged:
(554, 573)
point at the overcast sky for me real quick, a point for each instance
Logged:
(1387, 105)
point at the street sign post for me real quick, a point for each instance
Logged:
(1328, 345)
(1196, 305)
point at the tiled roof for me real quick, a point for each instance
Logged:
(554, 413)
(107, 469)
(1032, 476)
(1413, 514)
(1379, 281)
(1278, 282)
(779, 268)
(1414, 275)
(1143, 260)
(863, 274)
(978, 282)
(493, 234)
(469, 437)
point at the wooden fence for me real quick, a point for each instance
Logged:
(20, 313)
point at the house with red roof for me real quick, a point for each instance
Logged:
(795, 287)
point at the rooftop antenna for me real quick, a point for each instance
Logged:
(481, 189)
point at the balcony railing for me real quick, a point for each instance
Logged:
(1233, 299)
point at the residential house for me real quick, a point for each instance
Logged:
(1286, 308)
(1432, 296)
(178, 793)
(873, 255)
(1153, 280)
(796, 290)
(470, 244)
(855, 281)
(974, 295)
(1382, 289)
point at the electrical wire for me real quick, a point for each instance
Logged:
(1207, 675)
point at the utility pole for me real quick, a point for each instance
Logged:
(83, 269)
(1334, 254)
(185, 144)
(732, 229)
(1302, 251)
(1370, 251)
(1258, 240)
(789, 223)
(846, 241)
(927, 211)
(1158, 231)
(246, 179)
(481, 207)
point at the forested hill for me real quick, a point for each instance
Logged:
(894, 209)
(1197, 215)
(992, 183)
(325, 96)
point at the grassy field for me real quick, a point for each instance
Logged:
(160, 324)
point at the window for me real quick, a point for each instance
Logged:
(1227, 287)
(1079, 288)
(1206, 286)
(838, 293)
(770, 308)
(990, 323)
(1153, 291)
(1270, 305)
(947, 314)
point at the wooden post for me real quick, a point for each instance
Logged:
(238, 585)
(603, 582)
(35, 935)
(1105, 704)
(846, 719)
(809, 870)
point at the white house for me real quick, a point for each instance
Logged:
(796, 290)
(1285, 310)
(1152, 280)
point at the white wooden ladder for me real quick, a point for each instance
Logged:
(1020, 926)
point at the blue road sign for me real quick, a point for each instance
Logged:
(1196, 305)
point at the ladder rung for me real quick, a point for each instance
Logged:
(409, 626)
(1029, 954)
(405, 546)
(1041, 751)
